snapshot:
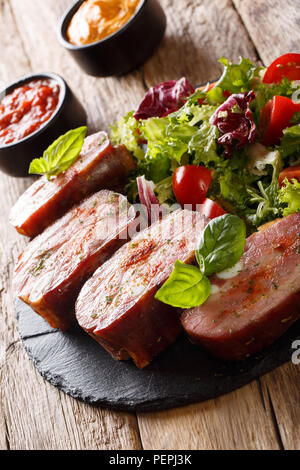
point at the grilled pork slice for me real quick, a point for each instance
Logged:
(250, 310)
(55, 265)
(117, 305)
(99, 166)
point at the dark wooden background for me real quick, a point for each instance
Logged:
(33, 414)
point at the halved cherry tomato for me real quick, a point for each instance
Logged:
(292, 172)
(211, 209)
(276, 116)
(191, 183)
(208, 85)
(287, 65)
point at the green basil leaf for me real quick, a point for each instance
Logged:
(221, 244)
(60, 155)
(185, 288)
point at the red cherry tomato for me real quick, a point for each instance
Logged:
(292, 172)
(209, 87)
(287, 65)
(191, 183)
(211, 209)
(276, 116)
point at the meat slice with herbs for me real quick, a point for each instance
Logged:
(255, 303)
(117, 305)
(55, 265)
(99, 166)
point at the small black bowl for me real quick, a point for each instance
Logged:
(15, 158)
(124, 50)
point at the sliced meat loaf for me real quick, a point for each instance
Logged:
(117, 305)
(55, 265)
(254, 304)
(99, 166)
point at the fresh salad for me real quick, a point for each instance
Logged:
(229, 147)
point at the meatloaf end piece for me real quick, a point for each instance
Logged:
(249, 311)
(99, 166)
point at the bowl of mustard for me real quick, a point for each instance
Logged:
(112, 37)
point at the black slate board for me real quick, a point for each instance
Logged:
(77, 365)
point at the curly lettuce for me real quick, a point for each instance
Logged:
(290, 142)
(289, 196)
(266, 198)
(246, 177)
(187, 133)
(126, 132)
(237, 78)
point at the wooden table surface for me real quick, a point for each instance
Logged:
(34, 414)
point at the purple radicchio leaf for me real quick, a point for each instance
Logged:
(164, 99)
(235, 122)
(154, 210)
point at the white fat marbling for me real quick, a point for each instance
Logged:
(215, 289)
(231, 272)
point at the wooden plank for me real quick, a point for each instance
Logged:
(39, 417)
(198, 34)
(51, 419)
(281, 388)
(235, 421)
(14, 61)
(272, 24)
(3, 440)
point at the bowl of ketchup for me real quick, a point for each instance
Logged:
(34, 111)
(112, 37)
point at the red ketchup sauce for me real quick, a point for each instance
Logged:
(26, 109)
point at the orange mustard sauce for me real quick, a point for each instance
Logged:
(97, 19)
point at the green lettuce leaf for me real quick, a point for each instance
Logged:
(290, 142)
(289, 196)
(164, 191)
(266, 198)
(237, 78)
(126, 132)
(184, 133)
(203, 144)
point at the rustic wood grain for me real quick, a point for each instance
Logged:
(235, 421)
(281, 389)
(52, 419)
(198, 34)
(274, 26)
(33, 414)
(3, 439)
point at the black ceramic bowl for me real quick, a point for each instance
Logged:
(15, 158)
(124, 50)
